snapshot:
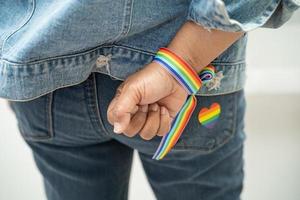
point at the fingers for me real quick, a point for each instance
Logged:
(129, 118)
(137, 121)
(165, 122)
(148, 121)
(151, 126)
(122, 107)
(110, 109)
(112, 104)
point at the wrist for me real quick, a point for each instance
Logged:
(176, 66)
(174, 85)
(186, 44)
(198, 46)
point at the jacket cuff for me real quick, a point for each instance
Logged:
(244, 15)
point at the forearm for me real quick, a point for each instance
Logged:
(198, 46)
(154, 84)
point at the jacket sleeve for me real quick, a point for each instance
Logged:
(241, 15)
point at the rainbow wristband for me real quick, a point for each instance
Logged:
(190, 80)
(180, 69)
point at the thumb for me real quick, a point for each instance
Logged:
(125, 106)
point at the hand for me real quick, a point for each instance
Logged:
(146, 103)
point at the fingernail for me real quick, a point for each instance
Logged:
(117, 127)
(154, 107)
(163, 111)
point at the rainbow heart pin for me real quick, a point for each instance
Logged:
(209, 116)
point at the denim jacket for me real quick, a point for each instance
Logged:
(46, 45)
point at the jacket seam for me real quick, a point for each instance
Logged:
(22, 24)
(125, 24)
(28, 63)
(197, 94)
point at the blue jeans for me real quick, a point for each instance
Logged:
(80, 157)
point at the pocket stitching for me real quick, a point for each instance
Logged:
(215, 146)
(49, 122)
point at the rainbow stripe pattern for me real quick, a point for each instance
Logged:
(190, 80)
(180, 69)
(178, 125)
(207, 74)
(208, 117)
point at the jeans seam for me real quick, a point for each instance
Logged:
(90, 103)
(49, 117)
(98, 114)
(49, 123)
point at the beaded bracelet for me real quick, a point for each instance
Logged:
(190, 80)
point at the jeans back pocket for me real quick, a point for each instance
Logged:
(217, 123)
(34, 118)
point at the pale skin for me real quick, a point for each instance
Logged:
(148, 100)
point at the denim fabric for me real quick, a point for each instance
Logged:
(80, 157)
(46, 45)
(241, 15)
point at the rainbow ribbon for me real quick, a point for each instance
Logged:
(178, 125)
(207, 74)
(180, 69)
(190, 80)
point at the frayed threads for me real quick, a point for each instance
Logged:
(210, 78)
(103, 61)
(215, 83)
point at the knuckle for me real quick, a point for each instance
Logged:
(130, 87)
(117, 113)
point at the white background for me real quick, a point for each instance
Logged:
(272, 126)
